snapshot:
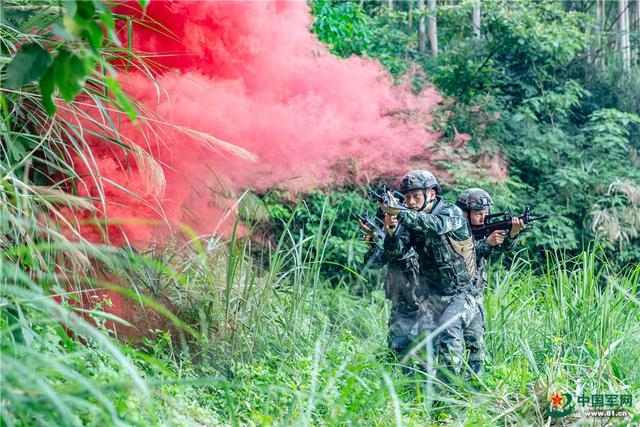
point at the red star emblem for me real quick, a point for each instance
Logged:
(557, 400)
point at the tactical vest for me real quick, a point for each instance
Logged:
(447, 266)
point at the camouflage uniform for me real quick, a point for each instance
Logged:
(443, 243)
(478, 199)
(399, 282)
(474, 333)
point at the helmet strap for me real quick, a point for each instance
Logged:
(426, 202)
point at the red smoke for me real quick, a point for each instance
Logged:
(251, 74)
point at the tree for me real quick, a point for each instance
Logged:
(635, 19)
(421, 28)
(623, 27)
(475, 18)
(433, 28)
(596, 55)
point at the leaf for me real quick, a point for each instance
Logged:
(68, 342)
(72, 25)
(102, 314)
(93, 34)
(70, 73)
(60, 31)
(125, 103)
(18, 149)
(28, 64)
(105, 16)
(86, 9)
(71, 6)
(47, 84)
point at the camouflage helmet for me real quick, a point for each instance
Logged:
(474, 199)
(419, 180)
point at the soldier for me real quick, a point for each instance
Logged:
(399, 282)
(476, 204)
(439, 234)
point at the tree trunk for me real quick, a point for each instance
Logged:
(421, 28)
(623, 26)
(433, 28)
(475, 18)
(636, 29)
(390, 4)
(601, 16)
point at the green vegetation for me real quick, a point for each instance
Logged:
(527, 91)
(283, 346)
(292, 333)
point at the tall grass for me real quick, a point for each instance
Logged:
(288, 348)
(54, 347)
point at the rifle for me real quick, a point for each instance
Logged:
(502, 221)
(382, 197)
(376, 224)
(391, 207)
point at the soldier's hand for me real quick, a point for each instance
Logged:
(392, 198)
(365, 229)
(390, 224)
(389, 210)
(496, 238)
(517, 225)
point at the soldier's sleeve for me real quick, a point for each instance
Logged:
(509, 244)
(445, 221)
(397, 245)
(483, 249)
(374, 257)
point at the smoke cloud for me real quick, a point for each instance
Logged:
(249, 74)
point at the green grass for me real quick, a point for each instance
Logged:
(280, 346)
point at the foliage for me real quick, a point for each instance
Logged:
(344, 251)
(278, 346)
(46, 265)
(566, 144)
(527, 89)
(61, 50)
(524, 47)
(348, 30)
